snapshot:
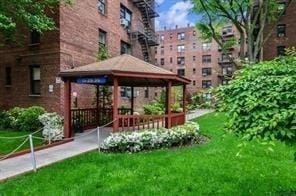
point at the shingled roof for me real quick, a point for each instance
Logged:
(123, 65)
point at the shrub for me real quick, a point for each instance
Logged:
(261, 100)
(153, 139)
(5, 120)
(53, 126)
(25, 119)
(154, 109)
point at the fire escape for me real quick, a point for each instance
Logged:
(145, 32)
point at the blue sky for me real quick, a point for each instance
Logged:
(174, 12)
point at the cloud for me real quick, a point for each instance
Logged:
(159, 1)
(177, 14)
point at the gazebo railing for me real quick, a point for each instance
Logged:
(138, 122)
(87, 118)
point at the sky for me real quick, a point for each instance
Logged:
(174, 12)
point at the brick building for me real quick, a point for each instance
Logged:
(182, 51)
(29, 74)
(283, 33)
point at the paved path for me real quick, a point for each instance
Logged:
(197, 113)
(22, 164)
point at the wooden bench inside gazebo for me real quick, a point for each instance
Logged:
(128, 71)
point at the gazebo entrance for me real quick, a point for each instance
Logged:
(128, 71)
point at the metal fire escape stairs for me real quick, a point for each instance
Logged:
(145, 33)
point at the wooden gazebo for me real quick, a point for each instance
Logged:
(128, 71)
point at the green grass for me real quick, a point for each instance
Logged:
(209, 169)
(8, 145)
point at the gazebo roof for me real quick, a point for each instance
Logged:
(126, 67)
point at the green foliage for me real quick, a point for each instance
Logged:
(261, 100)
(154, 108)
(4, 120)
(32, 14)
(103, 53)
(25, 119)
(200, 100)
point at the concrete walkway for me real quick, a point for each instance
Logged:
(22, 164)
(82, 144)
(197, 113)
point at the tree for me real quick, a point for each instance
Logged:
(250, 18)
(31, 14)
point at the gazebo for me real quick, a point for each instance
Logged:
(128, 71)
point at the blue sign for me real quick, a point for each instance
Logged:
(92, 80)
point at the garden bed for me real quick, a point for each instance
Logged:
(132, 142)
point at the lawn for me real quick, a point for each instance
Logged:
(8, 145)
(211, 168)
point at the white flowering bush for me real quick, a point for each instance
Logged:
(153, 139)
(52, 126)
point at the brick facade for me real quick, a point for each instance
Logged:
(193, 54)
(276, 40)
(74, 44)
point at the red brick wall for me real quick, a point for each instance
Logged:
(270, 48)
(190, 39)
(76, 43)
(19, 58)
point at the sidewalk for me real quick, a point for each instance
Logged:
(22, 164)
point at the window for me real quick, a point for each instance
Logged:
(194, 82)
(281, 50)
(171, 47)
(156, 63)
(162, 50)
(125, 48)
(281, 30)
(126, 14)
(102, 39)
(171, 35)
(35, 80)
(181, 60)
(206, 46)
(102, 6)
(181, 48)
(181, 72)
(155, 49)
(171, 60)
(206, 71)
(207, 96)
(8, 76)
(227, 30)
(162, 38)
(146, 92)
(34, 37)
(227, 71)
(194, 71)
(206, 83)
(162, 61)
(181, 36)
(125, 92)
(194, 45)
(282, 8)
(206, 58)
(225, 82)
(194, 58)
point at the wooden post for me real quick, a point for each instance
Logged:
(168, 105)
(97, 104)
(132, 100)
(184, 98)
(115, 105)
(67, 109)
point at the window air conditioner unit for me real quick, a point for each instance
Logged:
(124, 23)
